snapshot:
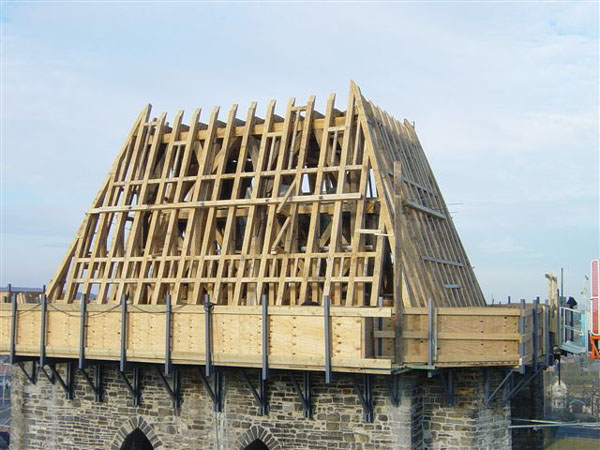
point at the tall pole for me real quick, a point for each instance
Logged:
(561, 286)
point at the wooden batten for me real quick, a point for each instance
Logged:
(361, 339)
(297, 207)
(287, 210)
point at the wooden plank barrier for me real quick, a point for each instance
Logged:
(475, 336)
(362, 339)
(297, 335)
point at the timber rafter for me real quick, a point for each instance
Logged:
(295, 207)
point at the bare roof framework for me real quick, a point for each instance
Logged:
(295, 207)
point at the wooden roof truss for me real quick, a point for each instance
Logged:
(294, 207)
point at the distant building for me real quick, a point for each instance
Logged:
(558, 396)
(578, 406)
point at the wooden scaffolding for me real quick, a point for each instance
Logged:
(296, 207)
(305, 242)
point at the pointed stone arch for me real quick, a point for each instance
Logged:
(260, 434)
(130, 426)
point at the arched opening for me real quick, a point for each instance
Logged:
(257, 444)
(136, 440)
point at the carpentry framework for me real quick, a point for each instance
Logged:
(304, 242)
(297, 207)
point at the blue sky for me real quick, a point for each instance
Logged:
(504, 95)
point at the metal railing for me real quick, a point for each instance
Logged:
(573, 330)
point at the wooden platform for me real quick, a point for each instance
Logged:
(289, 214)
(361, 339)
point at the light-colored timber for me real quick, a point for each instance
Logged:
(476, 336)
(292, 209)
(297, 207)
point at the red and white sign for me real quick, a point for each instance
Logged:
(595, 287)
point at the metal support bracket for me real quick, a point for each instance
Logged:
(327, 325)
(174, 391)
(521, 384)
(365, 396)
(31, 377)
(395, 395)
(510, 382)
(123, 362)
(548, 346)
(535, 334)
(265, 338)
(134, 387)
(216, 390)
(67, 382)
(13, 325)
(168, 339)
(43, 322)
(50, 376)
(447, 377)
(306, 396)
(95, 383)
(489, 396)
(431, 344)
(208, 335)
(522, 332)
(261, 396)
(82, 332)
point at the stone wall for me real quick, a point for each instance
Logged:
(529, 404)
(44, 419)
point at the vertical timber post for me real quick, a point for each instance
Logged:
(398, 261)
(327, 339)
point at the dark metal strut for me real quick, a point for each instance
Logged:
(31, 377)
(521, 384)
(366, 397)
(134, 387)
(306, 396)
(123, 362)
(216, 390)
(395, 394)
(447, 378)
(67, 382)
(208, 335)
(95, 383)
(489, 397)
(261, 396)
(174, 391)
